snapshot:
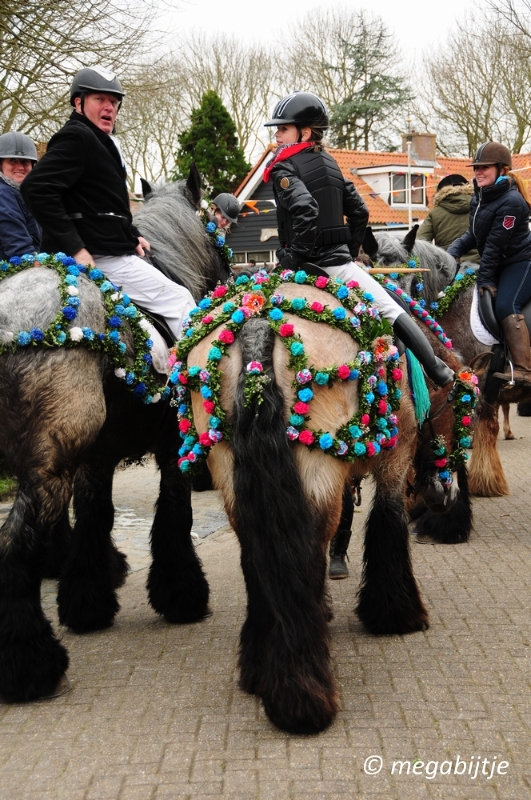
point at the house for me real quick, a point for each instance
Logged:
(384, 180)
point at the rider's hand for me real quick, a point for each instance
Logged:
(492, 290)
(142, 245)
(83, 257)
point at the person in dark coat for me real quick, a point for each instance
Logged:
(448, 218)
(19, 232)
(78, 194)
(499, 228)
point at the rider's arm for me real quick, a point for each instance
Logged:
(357, 216)
(293, 196)
(426, 232)
(462, 245)
(15, 237)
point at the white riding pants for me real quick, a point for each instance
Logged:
(148, 287)
(384, 302)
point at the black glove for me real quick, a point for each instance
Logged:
(492, 290)
(286, 260)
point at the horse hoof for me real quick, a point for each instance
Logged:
(63, 687)
(423, 538)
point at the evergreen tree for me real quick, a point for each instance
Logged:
(212, 143)
(374, 91)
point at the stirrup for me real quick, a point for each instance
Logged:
(504, 376)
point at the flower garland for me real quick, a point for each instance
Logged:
(374, 426)
(119, 311)
(451, 292)
(465, 392)
(217, 239)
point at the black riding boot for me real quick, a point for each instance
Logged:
(413, 338)
(340, 541)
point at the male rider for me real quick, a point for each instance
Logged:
(78, 194)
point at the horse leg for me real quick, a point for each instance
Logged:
(486, 477)
(32, 660)
(389, 599)
(176, 584)
(95, 568)
(452, 527)
(58, 547)
(507, 432)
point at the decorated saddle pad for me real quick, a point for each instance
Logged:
(478, 329)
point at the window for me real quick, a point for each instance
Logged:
(400, 186)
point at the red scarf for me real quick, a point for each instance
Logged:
(283, 152)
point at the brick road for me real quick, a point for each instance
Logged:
(155, 711)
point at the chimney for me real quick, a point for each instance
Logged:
(422, 146)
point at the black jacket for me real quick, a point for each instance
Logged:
(498, 227)
(19, 232)
(77, 192)
(302, 223)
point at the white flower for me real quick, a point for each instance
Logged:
(7, 336)
(119, 372)
(73, 290)
(115, 296)
(144, 324)
(76, 334)
(156, 398)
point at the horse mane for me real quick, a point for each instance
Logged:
(187, 259)
(441, 265)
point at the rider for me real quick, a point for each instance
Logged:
(78, 193)
(499, 228)
(225, 208)
(313, 198)
(19, 233)
(448, 218)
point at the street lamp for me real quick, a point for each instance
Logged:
(409, 209)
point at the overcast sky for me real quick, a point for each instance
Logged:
(416, 24)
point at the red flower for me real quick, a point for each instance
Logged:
(321, 282)
(226, 336)
(343, 372)
(441, 462)
(382, 407)
(301, 408)
(184, 425)
(219, 291)
(183, 377)
(318, 307)
(204, 439)
(286, 329)
(365, 419)
(209, 406)
(370, 449)
(396, 374)
(307, 437)
(353, 285)
(466, 421)
(207, 319)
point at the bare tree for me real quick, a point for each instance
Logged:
(44, 42)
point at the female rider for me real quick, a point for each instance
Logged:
(499, 228)
(19, 232)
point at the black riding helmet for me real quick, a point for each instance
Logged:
(95, 79)
(228, 205)
(303, 109)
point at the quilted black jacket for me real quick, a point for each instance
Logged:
(499, 228)
(77, 193)
(298, 214)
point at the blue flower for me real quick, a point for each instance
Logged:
(466, 398)
(434, 306)
(228, 307)
(419, 286)
(28, 259)
(229, 252)
(298, 303)
(381, 424)
(183, 408)
(381, 388)
(182, 451)
(241, 280)
(198, 450)
(215, 354)
(119, 309)
(412, 263)
(195, 311)
(305, 395)
(147, 358)
(140, 389)
(88, 334)
(73, 301)
(325, 441)
(189, 442)
(238, 316)
(394, 276)
(36, 334)
(23, 338)
(469, 271)
(342, 292)
(71, 280)
(275, 314)
(190, 332)
(359, 449)
(122, 347)
(206, 391)
(184, 466)
(368, 296)
(195, 370)
(95, 274)
(106, 286)
(397, 394)
(69, 312)
(339, 313)
(130, 312)
(465, 441)
(422, 303)
(354, 375)
(297, 348)
(149, 343)
(458, 277)
(220, 241)
(321, 378)
(15, 260)
(210, 227)
(369, 397)
(445, 475)
(214, 422)
(129, 378)
(296, 419)
(4, 266)
(115, 322)
(355, 431)
(300, 276)
(205, 303)
(61, 337)
(114, 336)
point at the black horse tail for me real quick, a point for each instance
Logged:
(283, 559)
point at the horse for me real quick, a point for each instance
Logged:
(67, 421)
(485, 472)
(245, 404)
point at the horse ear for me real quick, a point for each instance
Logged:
(193, 184)
(409, 239)
(369, 244)
(146, 188)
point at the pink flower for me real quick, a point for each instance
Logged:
(396, 374)
(254, 367)
(365, 419)
(343, 372)
(184, 425)
(466, 421)
(301, 408)
(204, 439)
(321, 282)
(474, 379)
(307, 437)
(317, 307)
(370, 449)
(209, 406)
(219, 291)
(226, 336)
(207, 319)
(382, 407)
(183, 378)
(448, 344)
(381, 372)
(172, 359)
(286, 329)
(441, 462)
(353, 285)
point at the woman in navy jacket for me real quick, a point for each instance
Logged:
(19, 232)
(499, 228)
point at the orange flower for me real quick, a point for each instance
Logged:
(253, 302)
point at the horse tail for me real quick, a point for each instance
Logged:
(283, 559)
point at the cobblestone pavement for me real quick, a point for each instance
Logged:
(155, 711)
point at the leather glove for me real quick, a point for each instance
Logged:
(492, 290)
